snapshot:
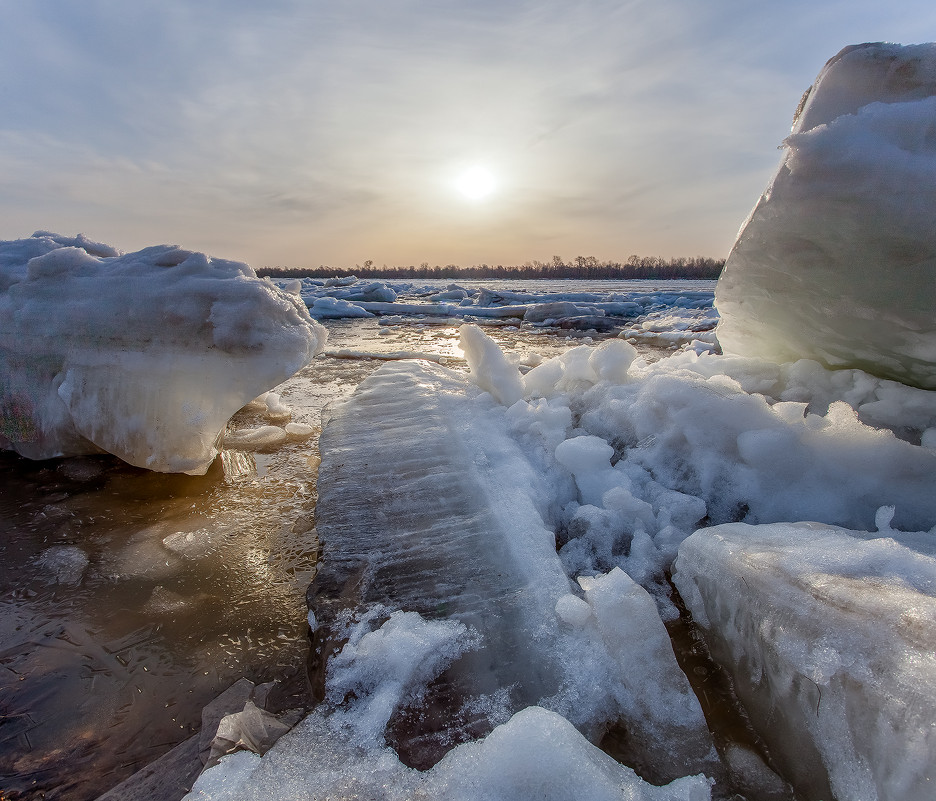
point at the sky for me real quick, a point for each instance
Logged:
(302, 133)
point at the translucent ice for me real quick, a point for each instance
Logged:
(427, 505)
(831, 639)
(837, 261)
(144, 355)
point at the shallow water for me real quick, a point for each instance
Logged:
(130, 599)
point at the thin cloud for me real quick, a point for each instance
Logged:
(613, 127)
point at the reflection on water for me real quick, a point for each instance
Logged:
(130, 599)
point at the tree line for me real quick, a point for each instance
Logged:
(580, 268)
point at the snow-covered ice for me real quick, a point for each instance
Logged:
(837, 261)
(428, 506)
(144, 355)
(830, 636)
(537, 754)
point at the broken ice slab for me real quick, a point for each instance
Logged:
(427, 505)
(144, 355)
(837, 261)
(831, 638)
(410, 518)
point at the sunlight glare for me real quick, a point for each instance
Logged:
(476, 183)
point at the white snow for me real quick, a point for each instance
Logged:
(144, 355)
(837, 261)
(381, 668)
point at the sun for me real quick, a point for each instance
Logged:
(476, 183)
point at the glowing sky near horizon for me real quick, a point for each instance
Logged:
(303, 132)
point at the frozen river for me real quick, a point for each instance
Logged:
(129, 599)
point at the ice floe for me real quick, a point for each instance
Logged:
(144, 355)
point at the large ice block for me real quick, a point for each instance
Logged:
(837, 261)
(831, 639)
(144, 355)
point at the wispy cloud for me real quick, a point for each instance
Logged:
(304, 131)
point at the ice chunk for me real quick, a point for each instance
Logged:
(666, 728)
(489, 368)
(837, 260)
(224, 780)
(275, 408)
(589, 323)
(611, 360)
(298, 431)
(427, 505)
(573, 610)
(538, 754)
(324, 308)
(144, 355)
(373, 292)
(553, 311)
(831, 639)
(261, 438)
(66, 564)
(588, 459)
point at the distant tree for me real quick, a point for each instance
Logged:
(579, 268)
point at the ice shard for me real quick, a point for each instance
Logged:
(830, 636)
(837, 260)
(144, 355)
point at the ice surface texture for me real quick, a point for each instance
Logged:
(427, 505)
(837, 261)
(144, 355)
(831, 637)
(408, 521)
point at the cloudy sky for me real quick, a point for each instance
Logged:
(305, 132)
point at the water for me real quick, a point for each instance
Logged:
(130, 599)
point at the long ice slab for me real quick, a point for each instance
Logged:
(420, 511)
(837, 261)
(144, 355)
(831, 638)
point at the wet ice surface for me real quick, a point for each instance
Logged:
(129, 599)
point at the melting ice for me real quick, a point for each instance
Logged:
(143, 355)
(837, 261)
